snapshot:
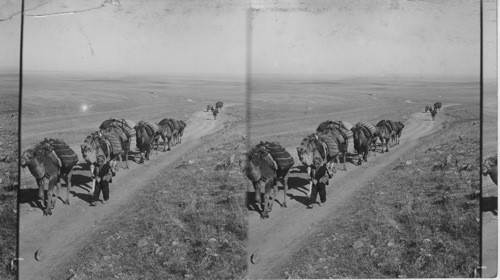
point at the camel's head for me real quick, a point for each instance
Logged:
(251, 168)
(26, 157)
(305, 155)
(87, 151)
(489, 165)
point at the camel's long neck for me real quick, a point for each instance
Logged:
(36, 168)
(493, 176)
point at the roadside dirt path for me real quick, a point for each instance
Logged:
(62, 233)
(273, 240)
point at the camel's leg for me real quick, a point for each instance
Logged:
(386, 145)
(274, 189)
(68, 185)
(92, 186)
(169, 139)
(344, 156)
(126, 158)
(284, 182)
(41, 192)
(267, 203)
(258, 199)
(164, 142)
(157, 140)
(309, 188)
(51, 196)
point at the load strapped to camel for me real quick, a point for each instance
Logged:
(331, 141)
(283, 159)
(150, 126)
(67, 156)
(114, 141)
(344, 128)
(390, 125)
(367, 126)
(219, 104)
(123, 124)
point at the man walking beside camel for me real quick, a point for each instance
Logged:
(103, 176)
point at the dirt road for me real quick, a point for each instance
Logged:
(273, 240)
(62, 233)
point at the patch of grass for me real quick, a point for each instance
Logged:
(419, 219)
(8, 194)
(189, 223)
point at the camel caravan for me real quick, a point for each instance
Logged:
(53, 159)
(321, 154)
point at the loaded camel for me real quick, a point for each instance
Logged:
(264, 171)
(43, 163)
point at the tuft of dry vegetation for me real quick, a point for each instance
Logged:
(189, 222)
(419, 219)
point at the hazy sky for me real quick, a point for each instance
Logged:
(356, 37)
(135, 36)
(10, 29)
(367, 37)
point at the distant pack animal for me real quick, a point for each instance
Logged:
(393, 127)
(120, 128)
(145, 137)
(490, 168)
(182, 126)
(167, 132)
(433, 113)
(43, 163)
(427, 108)
(316, 151)
(437, 106)
(362, 141)
(399, 131)
(266, 163)
(383, 133)
(97, 144)
(215, 111)
(219, 104)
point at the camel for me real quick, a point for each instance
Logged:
(68, 159)
(263, 171)
(145, 138)
(490, 168)
(362, 141)
(95, 144)
(399, 130)
(166, 132)
(43, 163)
(433, 113)
(219, 104)
(182, 126)
(121, 129)
(341, 132)
(383, 134)
(313, 153)
(215, 111)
